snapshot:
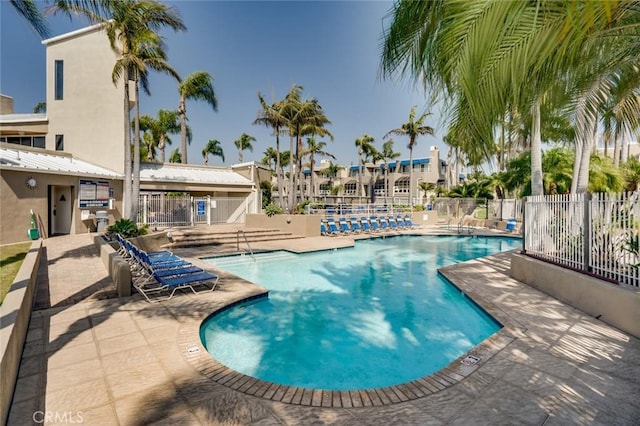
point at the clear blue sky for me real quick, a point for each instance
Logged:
(331, 48)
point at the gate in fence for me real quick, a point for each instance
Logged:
(166, 210)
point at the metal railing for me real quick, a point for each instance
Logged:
(597, 234)
(241, 232)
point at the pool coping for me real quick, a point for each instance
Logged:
(191, 347)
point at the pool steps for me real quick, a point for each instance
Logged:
(211, 237)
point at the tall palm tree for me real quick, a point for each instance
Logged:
(40, 108)
(486, 59)
(214, 148)
(314, 149)
(388, 154)
(131, 33)
(270, 158)
(243, 143)
(271, 116)
(304, 117)
(331, 172)
(197, 86)
(412, 128)
(365, 146)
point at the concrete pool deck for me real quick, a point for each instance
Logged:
(127, 362)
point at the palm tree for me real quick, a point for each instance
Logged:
(365, 146)
(175, 156)
(271, 116)
(303, 117)
(331, 172)
(412, 128)
(243, 143)
(130, 30)
(313, 149)
(488, 59)
(40, 108)
(197, 86)
(388, 154)
(214, 148)
(270, 158)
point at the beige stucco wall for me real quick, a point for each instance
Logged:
(307, 225)
(16, 201)
(91, 113)
(24, 128)
(6, 104)
(613, 304)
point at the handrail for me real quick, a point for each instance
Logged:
(240, 231)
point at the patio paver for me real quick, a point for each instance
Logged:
(125, 361)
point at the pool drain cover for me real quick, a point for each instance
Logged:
(470, 360)
(193, 349)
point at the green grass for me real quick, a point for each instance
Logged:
(11, 258)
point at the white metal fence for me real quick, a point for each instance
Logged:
(597, 234)
(164, 210)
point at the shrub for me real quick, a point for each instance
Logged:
(127, 229)
(301, 208)
(418, 207)
(272, 209)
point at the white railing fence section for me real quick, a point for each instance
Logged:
(165, 210)
(596, 234)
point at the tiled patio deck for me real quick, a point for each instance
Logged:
(128, 362)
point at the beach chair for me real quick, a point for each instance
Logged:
(375, 225)
(323, 229)
(392, 222)
(408, 222)
(344, 226)
(355, 226)
(400, 222)
(366, 226)
(168, 285)
(332, 227)
(384, 224)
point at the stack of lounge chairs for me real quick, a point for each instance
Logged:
(158, 275)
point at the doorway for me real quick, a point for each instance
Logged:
(60, 203)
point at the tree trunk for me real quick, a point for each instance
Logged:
(126, 196)
(410, 176)
(135, 191)
(311, 188)
(292, 164)
(536, 151)
(624, 153)
(162, 143)
(182, 110)
(617, 148)
(279, 168)
(590, 138)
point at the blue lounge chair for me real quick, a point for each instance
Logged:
(171, 284)
(323, 229)
(344, 226)
(375, 226)
(333, 228)
(400, 222)
(354, 224)
(392, 222)
(383, 223)
(408, 222)
(366, 226)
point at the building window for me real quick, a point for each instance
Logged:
(59, 142)
(34, 141)
(59, 80)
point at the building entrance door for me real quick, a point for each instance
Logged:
(60, 210)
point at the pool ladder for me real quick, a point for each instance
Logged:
(240, 231)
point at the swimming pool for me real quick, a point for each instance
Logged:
(370, 316)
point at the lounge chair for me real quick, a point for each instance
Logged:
(392, 222)
(375, 224)
(366, 226)
(332, 227)
(355, 226)
(408, 222)
(323, 229)
(384, 225)
(170, 284)
(344, 226)
(400, 222)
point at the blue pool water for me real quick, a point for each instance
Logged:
(370, 316)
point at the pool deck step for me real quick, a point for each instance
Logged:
(209, 237)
